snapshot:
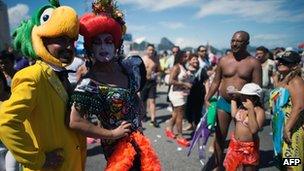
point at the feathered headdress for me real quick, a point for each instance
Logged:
(105, 18)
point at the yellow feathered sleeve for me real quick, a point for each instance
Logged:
(13, 115)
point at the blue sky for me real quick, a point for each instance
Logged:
(192, 22)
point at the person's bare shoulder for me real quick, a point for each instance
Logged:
(224, 59)
(297, 83)
(259, 109)
(253, 61)
(145, 58)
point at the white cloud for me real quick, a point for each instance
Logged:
(16, 14)
(140, 39)
(267, 37)
(172, 25)
(270, 40)
(260, 11)
(188, 42)
(136, 28)
(159, 5)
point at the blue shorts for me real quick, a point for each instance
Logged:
(222, 104)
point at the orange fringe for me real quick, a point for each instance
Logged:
(124, 154)
(148, 158)
(122, 157)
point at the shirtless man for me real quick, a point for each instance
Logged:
(232, 72)
(148, 93)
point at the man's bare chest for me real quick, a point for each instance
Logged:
(150, 64)
(237, 69)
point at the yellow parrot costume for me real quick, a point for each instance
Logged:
(32, 121)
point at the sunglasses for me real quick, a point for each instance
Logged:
(284, 63)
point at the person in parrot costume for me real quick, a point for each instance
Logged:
(32, 120)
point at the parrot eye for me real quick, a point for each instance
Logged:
(46, 15)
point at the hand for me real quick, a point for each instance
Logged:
(207, 103)
(122, 130)
(53, 159)
(231, 90)
(248, 104)
(187, 85)
(287, 135)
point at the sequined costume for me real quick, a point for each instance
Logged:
(112, 105)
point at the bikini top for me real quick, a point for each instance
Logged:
(242, 116)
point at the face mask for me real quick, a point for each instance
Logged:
(103, 48)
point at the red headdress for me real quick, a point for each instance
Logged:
(106, 18)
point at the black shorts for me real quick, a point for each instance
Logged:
(149, 90)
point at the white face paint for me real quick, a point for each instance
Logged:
(103, 47)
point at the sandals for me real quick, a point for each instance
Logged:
(180, 141)
(183, 142)
(170, 134)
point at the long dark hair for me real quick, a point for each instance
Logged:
(256, 100)
(178, 57)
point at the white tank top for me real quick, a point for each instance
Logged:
(183, 76)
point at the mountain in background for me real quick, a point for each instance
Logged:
(139, 46)
(165, 44)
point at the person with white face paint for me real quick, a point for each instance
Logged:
(103, 48)
(109, 92)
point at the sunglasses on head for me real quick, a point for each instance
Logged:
(285, 63)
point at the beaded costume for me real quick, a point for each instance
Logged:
(112, 105)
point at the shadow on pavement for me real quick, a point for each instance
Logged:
(162, 119)
(94, 151)
(160, 106)
(162, 93)
(267, 122)
(210, 164)
(266, 159)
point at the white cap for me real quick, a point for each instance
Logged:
(251, 89)
(289, 49)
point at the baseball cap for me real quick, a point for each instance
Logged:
(251, 89)
(291, 57)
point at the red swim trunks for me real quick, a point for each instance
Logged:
(241, 153)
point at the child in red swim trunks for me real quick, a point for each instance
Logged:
(249, 116)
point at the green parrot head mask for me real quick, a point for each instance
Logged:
(50, 21)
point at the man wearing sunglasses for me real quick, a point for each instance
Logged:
(203, 57)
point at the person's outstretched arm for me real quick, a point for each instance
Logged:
(257, 73)
(215, 83)
(88, 129)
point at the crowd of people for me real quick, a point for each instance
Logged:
(246, 87)
(46, 92)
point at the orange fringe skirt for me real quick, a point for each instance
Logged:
(124, 154)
